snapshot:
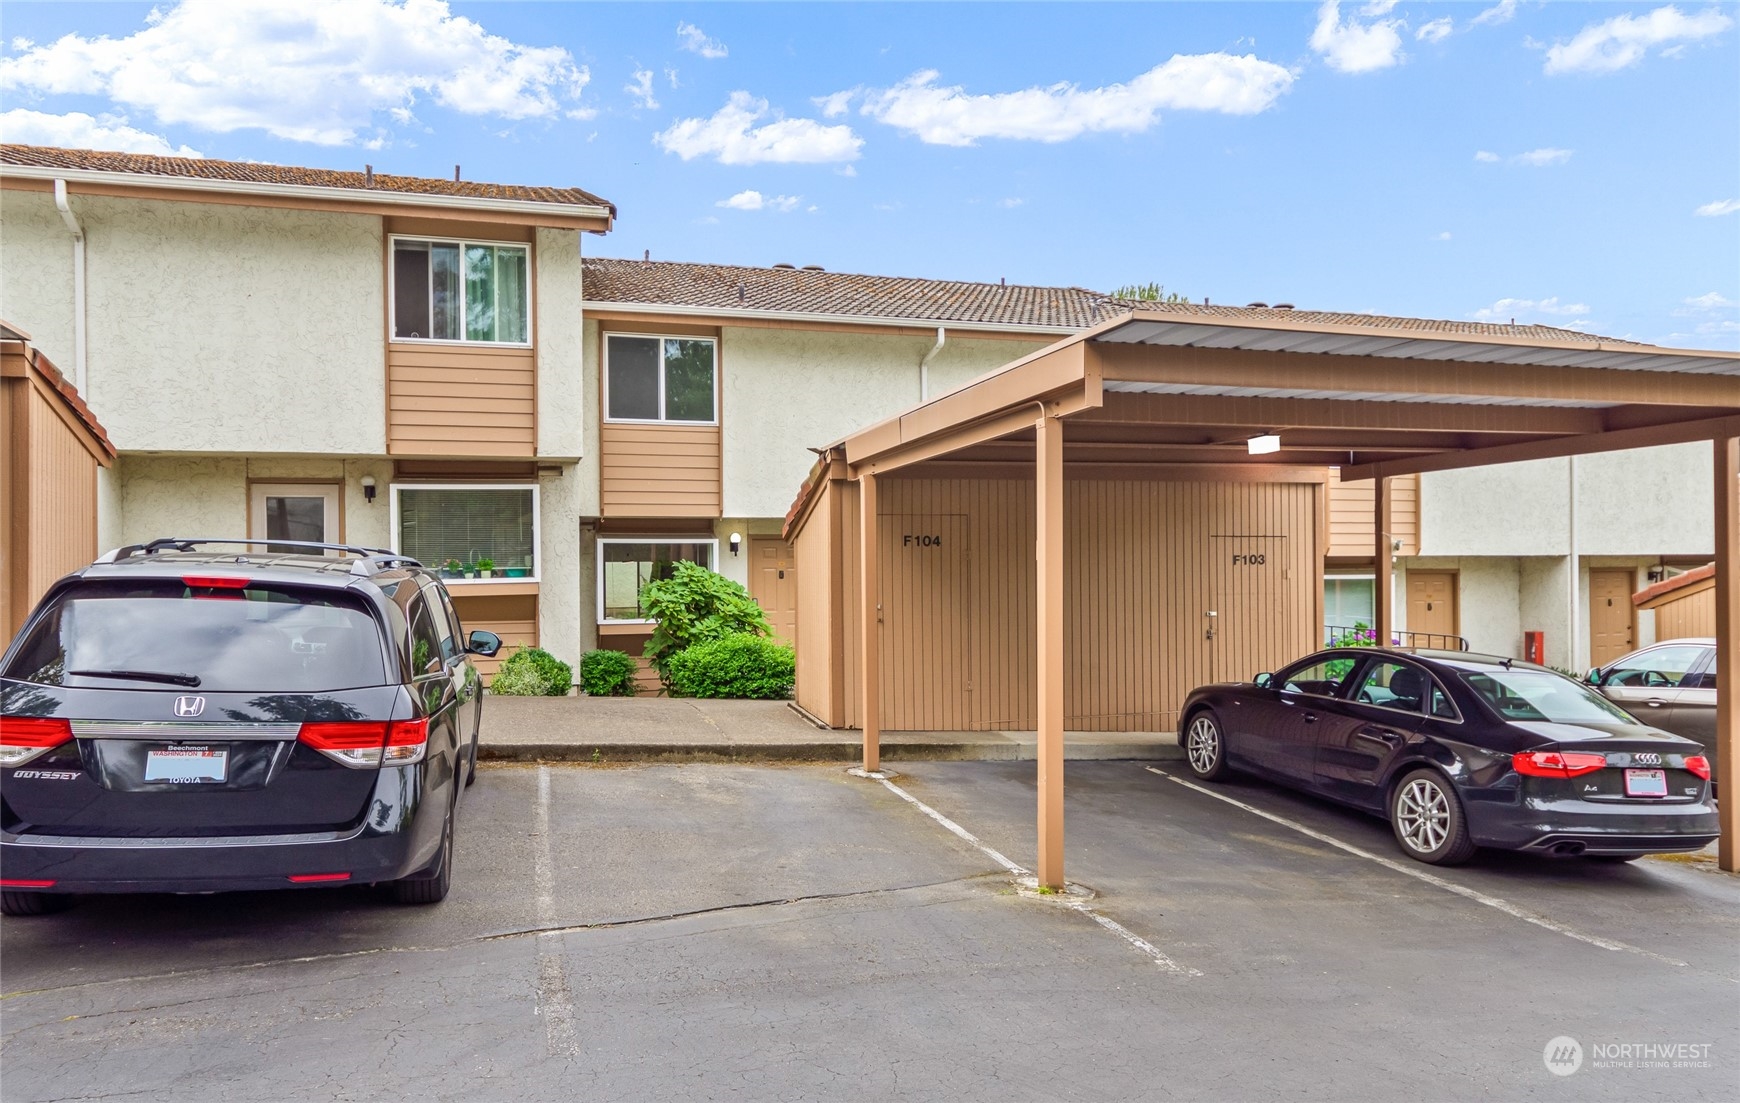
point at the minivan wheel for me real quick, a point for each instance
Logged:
(34, 903)
(1205, 746)
(430, 890)
(1427, 818)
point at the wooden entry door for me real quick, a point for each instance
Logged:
(1611, 615)
(773, 584)
(1432, 607)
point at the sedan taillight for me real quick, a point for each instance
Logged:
(23, 738)
(365, 743)
(1699, 765)
(1557, 763)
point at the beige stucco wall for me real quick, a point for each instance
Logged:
(216, 328)
(786, 391)
(559, 564)
(1488, 599)
(208, 496)
(36, 273)
(561, 407)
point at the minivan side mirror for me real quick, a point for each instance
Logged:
(1262, 680)
(483, 643)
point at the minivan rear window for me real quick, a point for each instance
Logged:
(163, 634)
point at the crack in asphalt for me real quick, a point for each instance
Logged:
(499, 936)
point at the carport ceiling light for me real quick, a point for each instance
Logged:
(1263, 445)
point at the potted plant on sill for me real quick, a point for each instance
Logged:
(485, 567)
(470, 570)
(453, 568)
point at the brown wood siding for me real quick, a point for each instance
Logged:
(1692, 612)
(514, 618)
(819, 661)
(448, 400)
(1350, 516)
(659, 470)
(1145, 561)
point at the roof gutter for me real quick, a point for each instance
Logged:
(829, 319)
(382, 197)
(78, 244)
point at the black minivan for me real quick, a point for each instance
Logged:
(183, 716)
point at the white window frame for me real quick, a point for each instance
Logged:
(663, 538)
(332, 494)
(660, 337)
(537, 535)
(393, 301)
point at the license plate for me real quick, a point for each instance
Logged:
(1646, 783)
(190, 765)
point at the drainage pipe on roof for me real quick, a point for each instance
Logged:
(942, 336)
(78, 238)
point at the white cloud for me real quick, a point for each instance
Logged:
(1355, 47)
(730, 137)
(303, 70)
(834, 104)
(1505, 309)
(951, 116)
(1540, 158)
(846, 170)
(1486, 157)
(641, 89)
(695, 40)
(755, 201)
(1378, 7)
(1435, 31)
(77, 130)
(1444, 236)
(1623, 40)
(1714, 300)
(1010, 203)
(1718, 208)
(671, 75)
(1503, 12)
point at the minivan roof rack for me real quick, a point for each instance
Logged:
(367, 560)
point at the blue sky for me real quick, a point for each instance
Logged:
(1569, 164)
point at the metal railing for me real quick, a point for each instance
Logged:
(1364, 635)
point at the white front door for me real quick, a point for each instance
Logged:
(294, 511)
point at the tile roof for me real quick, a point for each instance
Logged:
(920, 301)
(62, 385)
(1678, 582)
(90, 160)
(812, 291)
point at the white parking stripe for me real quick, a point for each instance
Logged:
(555, 1000)
(1081, 906)
(1418, 874)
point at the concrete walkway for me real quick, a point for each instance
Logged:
(647, 729)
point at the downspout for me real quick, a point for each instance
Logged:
(924, 365)
(78, 236)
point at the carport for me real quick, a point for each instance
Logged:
(1229, 396)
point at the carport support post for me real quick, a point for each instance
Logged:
(1048, 462)
(869, 625)
(1727, 661)
(1383, 591)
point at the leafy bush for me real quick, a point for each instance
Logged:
(533, 672)
(607, 674)
(739, 665)
(693, 606)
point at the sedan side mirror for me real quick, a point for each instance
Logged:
(1262, 680)
(1594, 676)
(483, 643)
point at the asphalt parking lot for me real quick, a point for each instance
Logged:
(760, 932)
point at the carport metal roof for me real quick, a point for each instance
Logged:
(1376, 397)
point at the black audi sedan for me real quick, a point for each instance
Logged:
(180, 718)
(1460, 751)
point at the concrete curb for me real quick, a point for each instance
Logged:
(602, 753)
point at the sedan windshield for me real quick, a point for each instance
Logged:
(1539, 695)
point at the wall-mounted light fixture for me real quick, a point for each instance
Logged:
(368, 485)
(736, 542)
(1264, 444)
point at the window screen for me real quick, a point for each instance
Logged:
(660, 379)
(453, 291)
(634, 378)
(443, 526)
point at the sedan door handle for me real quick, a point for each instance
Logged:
(1388, 737)
(1311, 718)
(1655, 702)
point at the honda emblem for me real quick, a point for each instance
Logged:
(189, 707)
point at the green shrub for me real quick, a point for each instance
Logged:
(739, 665)
(607, 674)
(533, 672)
(693, 606)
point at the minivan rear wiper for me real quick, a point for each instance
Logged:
(169, 677)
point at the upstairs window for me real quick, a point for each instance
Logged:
(660, 379)
(461, 291)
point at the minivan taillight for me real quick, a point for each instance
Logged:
(1558, 763)
(23, 738)
(367, 743)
